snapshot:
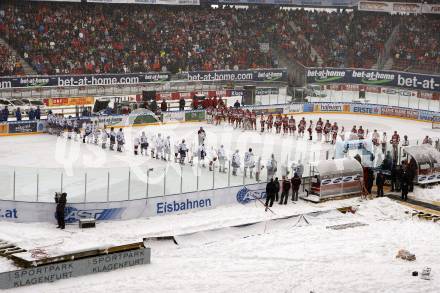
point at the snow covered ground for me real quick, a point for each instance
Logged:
(284, 256)
(429, 193)
(44, 164)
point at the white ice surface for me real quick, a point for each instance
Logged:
(294, 257)
(57, 161)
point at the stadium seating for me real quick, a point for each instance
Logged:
(73, 38)
(9, 63)
(417, 47)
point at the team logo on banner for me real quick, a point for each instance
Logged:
(246, 195)
(73, 215)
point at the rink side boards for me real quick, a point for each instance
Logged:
(288, 109)
(30, 212)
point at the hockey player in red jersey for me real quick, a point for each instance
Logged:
(269, 122)
(292, 126)
(285, 122)
(262, 122)
(318, 129)
(327, 130)
(360, 132)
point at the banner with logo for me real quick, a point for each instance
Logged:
(4, 128)
(405, 80)
(75, 267)
(76, 101)
(150, 2)
(398, 7)
(273, 109)
(399, 112)
(82, 80)
(293, 108)
(25, 212)
(267, 75)
(264, 91)
(197, 115)
(313, 3)
(331, 107)
(23, 127)
(365, 109)
(173, 116)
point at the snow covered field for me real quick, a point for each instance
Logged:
(293, 255)
(280, 256)
(44, 164)
(429, 194)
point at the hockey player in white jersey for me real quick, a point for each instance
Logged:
(159, 146)
(104, 137)
(249, 163)
(96, 134)
(120, 140)
(144, 144)
(176, 152)
(201, 154)
(87, 132)
(236, 162)
(167, 149)
(183, 150)
(272, 167)
(201, 134)
(112, 138)
(221, 154)
(258, 168)
(136, 144)
(69, 128)
(76, 129)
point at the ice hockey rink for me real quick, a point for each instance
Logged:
(304, 253)
(44, 164)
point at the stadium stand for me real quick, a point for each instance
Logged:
(73, 38)
(418, 45)
(9, 63)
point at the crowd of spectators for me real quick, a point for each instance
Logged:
(74, 38)
(9, 63)
(95, 38)
(417, 46)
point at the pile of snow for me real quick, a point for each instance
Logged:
(301, 257)
(428, 194)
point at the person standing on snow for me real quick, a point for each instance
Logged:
(296, 183)
(285, 191)
(270, 193)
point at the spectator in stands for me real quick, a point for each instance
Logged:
(85, 112)
(31, 114)
(4, 114)
(18, 114)
(237, 104)
(163, 106)
(38, 113)
(181, 104)
(153, 106)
